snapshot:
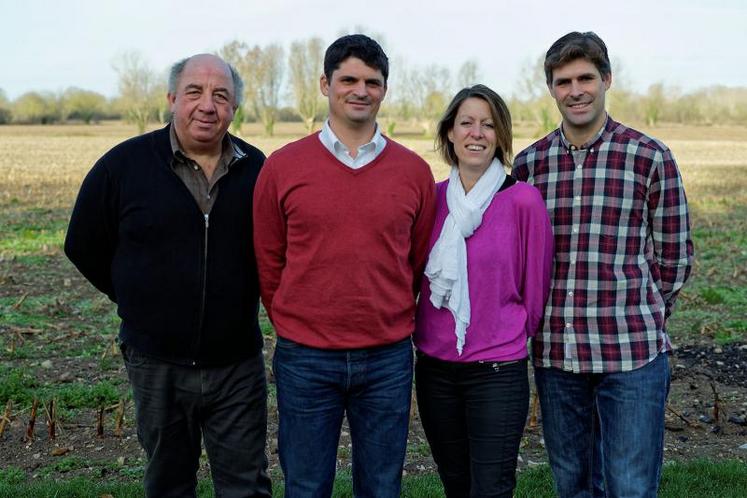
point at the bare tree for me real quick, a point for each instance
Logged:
(267, 80)
(305, 66)
(469, 74)
(653, 103)
(141, 93)
(262, 72)
(234, 52)
(622, 103)
(5, 113)
(535, 96)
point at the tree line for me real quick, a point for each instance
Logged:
(283, 85)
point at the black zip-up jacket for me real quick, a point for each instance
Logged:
(185, 285)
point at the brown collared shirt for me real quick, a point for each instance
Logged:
(203, 190)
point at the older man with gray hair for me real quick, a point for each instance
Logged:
(163, 226)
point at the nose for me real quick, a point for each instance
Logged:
(359, 89)
(475, 130)
(206, 103)
(576, 88)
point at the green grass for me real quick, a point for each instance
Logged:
(705, 479)
(32, 312)
(30, 232)
(696, 479)
(714, 300)
(20, 387)
(17, 385)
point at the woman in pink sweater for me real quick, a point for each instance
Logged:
(487, 280)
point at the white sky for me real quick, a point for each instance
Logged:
(54, 44)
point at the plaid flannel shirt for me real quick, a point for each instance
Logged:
(622, 247)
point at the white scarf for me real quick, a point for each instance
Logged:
(447, 262)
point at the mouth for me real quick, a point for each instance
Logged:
(358, 103)
(579, 106)
(475, 147)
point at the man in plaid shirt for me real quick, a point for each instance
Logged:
(623, 252)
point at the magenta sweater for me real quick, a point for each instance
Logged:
(509, 265)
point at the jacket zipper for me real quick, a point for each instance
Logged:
(204, 284)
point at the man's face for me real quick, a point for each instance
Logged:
(203, 104)
(355, 92)
(579, 90)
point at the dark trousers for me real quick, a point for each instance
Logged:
(473, 415)
(177, 405)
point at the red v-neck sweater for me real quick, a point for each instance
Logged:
(341, 251)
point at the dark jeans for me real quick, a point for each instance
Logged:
(604, 433)
(175, 405)
(473, 415)
(315, 388)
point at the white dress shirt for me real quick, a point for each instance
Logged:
(366, 152)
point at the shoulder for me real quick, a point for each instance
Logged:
(526, 197)
(537, 150)
(300, 146)
(408, 161)
(441, 187)
(253, 154)
(624, 136)
(133, 152)
(401, 152)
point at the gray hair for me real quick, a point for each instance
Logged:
(175, 73)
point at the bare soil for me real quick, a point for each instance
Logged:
(705, 417)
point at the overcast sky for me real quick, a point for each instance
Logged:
(54, 44)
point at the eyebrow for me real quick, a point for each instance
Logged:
(195, 86)
(349, 77)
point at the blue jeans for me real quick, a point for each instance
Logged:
(315, 388)
(604, 433)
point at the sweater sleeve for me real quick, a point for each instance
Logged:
(538, 258)
(91, 237)
(421, 231)
(269, 234)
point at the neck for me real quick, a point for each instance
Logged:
(470, 175)
(579, 135)
(353, 137)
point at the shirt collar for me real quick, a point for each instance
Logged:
(336, 147)
(230, 152)
(568, 145)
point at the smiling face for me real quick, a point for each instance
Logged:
(203, 104)
(355, 92)
(473, 135)
(579, 89)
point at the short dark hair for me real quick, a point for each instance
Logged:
(574, 46)
(358, 46)
(501, 120)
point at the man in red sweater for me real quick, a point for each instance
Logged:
(342, 222)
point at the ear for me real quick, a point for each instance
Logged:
(607, 81)
(324, 85)
(172, 101)
(450, 135)
(549, 89)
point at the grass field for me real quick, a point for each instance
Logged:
(56, 332)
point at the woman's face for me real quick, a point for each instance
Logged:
(473, 134)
